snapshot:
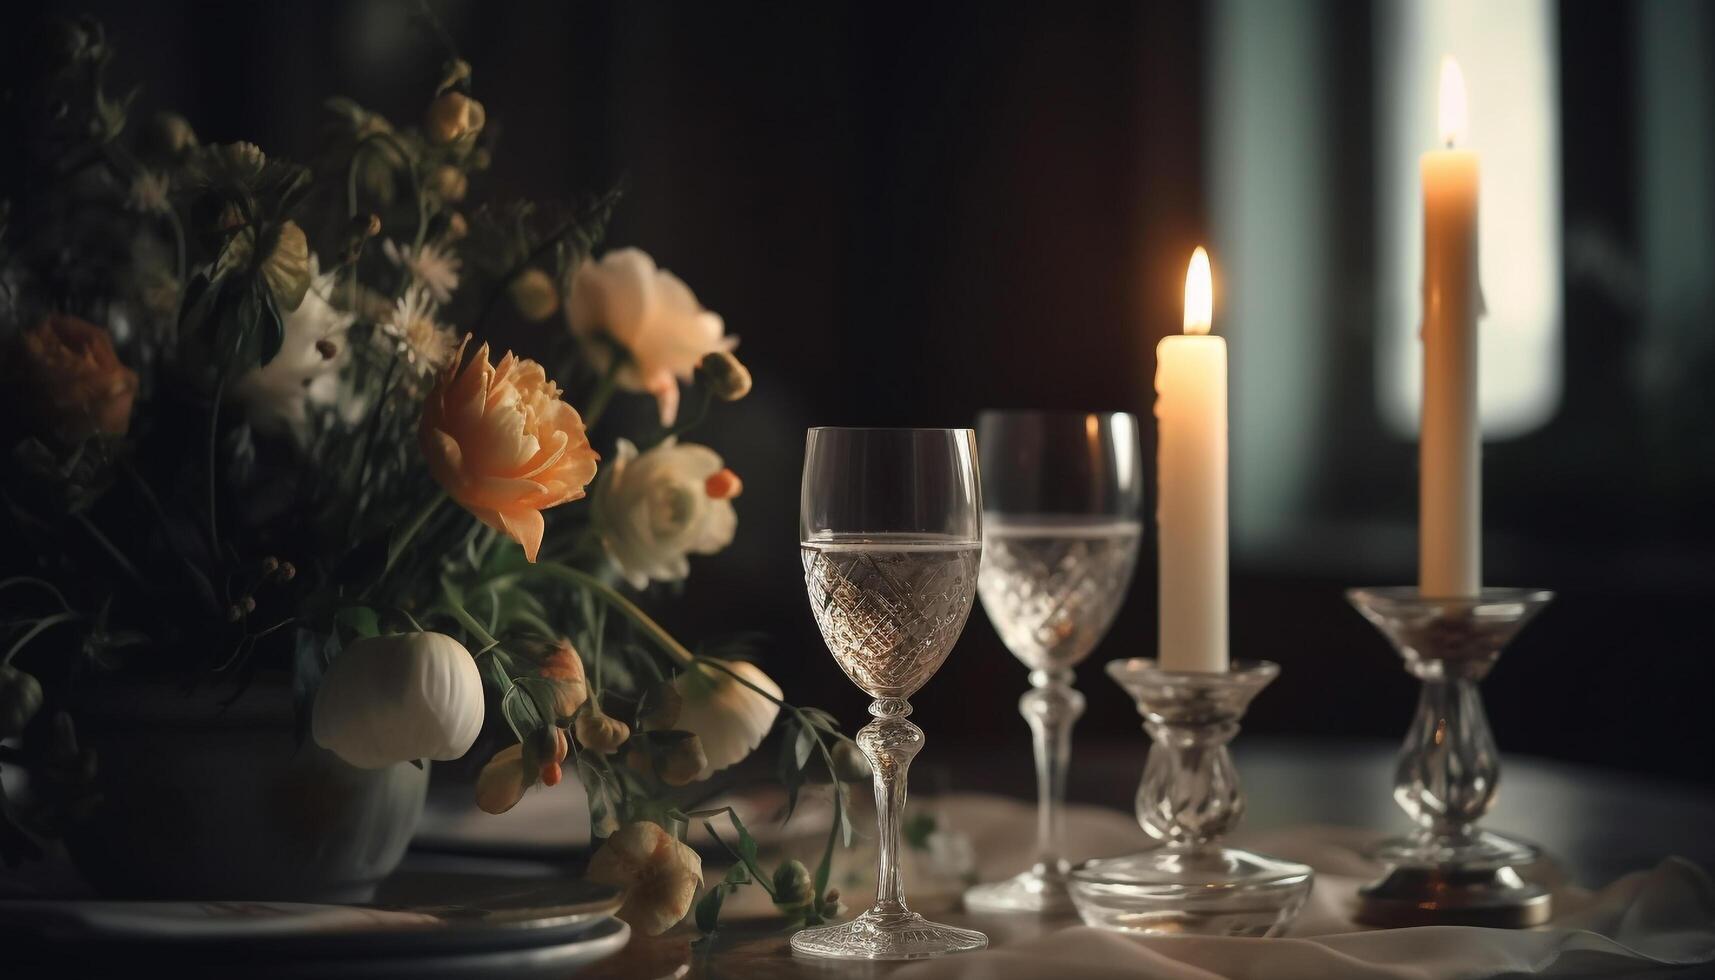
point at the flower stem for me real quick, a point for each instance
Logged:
(630, 610)
(396, 547)
(457, 610)
(213, 434)
(603, 393)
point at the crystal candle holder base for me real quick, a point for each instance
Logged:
(1189, 799)
(1448, 872)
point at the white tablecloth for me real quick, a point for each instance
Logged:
(1660, 917)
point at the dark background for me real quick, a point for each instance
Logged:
(913, 213)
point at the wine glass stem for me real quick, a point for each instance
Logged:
(1050, 707)
(889, 742)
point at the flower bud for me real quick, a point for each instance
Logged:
(170, 134)
(457, 226)
(562, 668)
(553, 754)
(678, 757)
(727, 377)
(534, 295)
(599, 732)
(723, 485)
(792, 885)
(662, 703)
(288, 571)
(453, 116)
(501, 783)
(449, 183)
(270, 565)
(20, 699)
(365, 226)
(456, 71)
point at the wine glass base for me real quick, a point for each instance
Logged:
(886, 936)
(1027, 892)
(1169, 892)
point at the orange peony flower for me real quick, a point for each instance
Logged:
(79, 386)
(501, 442)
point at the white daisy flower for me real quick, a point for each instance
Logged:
(423, 342)
(435, 268)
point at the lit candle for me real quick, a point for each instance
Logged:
(1191, 478)
(1449, 464)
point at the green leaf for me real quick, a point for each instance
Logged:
(803, 746)
(270, 328)
(746, 852)
(708, 911)
(521, 713)
(361, 620)
(541, 693)
(821, 719)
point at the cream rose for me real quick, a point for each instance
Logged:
(655, 508)
(500, 441)
(652, 315)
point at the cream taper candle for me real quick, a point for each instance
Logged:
(1450, 501)
(1191, 478)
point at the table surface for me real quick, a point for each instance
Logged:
(1596, 824)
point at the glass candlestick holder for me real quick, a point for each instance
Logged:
(1448, 871)
(1188, 800)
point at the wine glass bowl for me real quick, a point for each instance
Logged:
(1062, 525)
(890, 607)
(891, 540)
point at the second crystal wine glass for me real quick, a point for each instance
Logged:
(1061, 526)
(891, 537)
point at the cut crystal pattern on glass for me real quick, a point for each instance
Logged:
(890, 610)
(1188, 799)
(1052, 589)
(1449, 769)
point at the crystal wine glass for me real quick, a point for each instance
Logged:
(1061, 526)
(891, 532)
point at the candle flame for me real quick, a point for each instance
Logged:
(1454, 117)
(1199, 294)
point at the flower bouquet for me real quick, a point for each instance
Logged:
(256, 438)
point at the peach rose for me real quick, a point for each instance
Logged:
(78, 387)
(502, 443)
(650, 313)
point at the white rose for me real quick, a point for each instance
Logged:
(276, 396)
(650, 313)
(655, 508)
(388, 699)
(730, 718)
